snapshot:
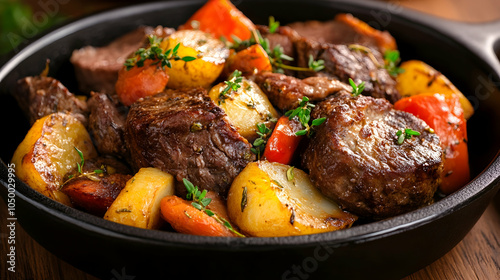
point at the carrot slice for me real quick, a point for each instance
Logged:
(184, 218)
(140, 82)
(444, 114)
(249, 61)
(222, 19)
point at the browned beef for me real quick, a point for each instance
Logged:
(40, 96)
(107, 125)
(184, 133)
(343, 62)
(285, 92)
(345, 29)
(354, 157)
(97, 68)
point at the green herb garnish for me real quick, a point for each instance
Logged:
(303, 113)
(155, 53)
(290, 174)
(259, 144)
(232, 85)
(356, 89)
(273, 25)
(391, 58)
(407, 134)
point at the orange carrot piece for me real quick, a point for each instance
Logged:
(249, 61)
(184, 218)
(221, 18)
(140, 82)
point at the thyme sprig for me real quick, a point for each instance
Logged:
(200, 202)
(356, 89)
(259, 144)
(232, 85)
(392, 59)
(81, 173)
(155, 53)
(407, 134)
(303, 113)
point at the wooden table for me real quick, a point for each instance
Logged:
(476, 257)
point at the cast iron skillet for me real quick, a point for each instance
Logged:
(388, 249)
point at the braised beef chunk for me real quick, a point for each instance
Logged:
(184, 133)
(40, 96)
(285, 92)
(345, 29)
(355, 159)
(344, 62)
(107, 125)
(95, 195)
(97, 68)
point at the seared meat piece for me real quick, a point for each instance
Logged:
(95, 196)
(107, 125)
(40, 96)
(343, 62)
(285, 92)
(94, 192)
(97, 68)
(184, 133)
(284, 37)
(354, 158)
(345, 29)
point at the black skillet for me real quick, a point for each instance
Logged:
(388, 249)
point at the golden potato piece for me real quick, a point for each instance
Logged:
(138, 204)
(264, 201)
(419, 77)
(210, 56)
(246, 107)
(48, 152)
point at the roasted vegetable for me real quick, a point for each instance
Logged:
(138, 204)
(249, 61)
(221, 19)
(48, 152)
(444, 114)
(246, 107)
(418, 77)
(283, 142)
(210, 54)
(272, 199)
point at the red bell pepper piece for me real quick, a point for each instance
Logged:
(283, 142)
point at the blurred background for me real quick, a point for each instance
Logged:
(21, 20)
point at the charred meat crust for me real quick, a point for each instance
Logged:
(184, 133)
(355, 160)
(41, 96)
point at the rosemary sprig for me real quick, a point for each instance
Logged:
(407, 134)
(356, 89)
(303, 113)
(232, 85)
(259, 144)
(155, 53)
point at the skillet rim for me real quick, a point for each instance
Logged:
(485, 182)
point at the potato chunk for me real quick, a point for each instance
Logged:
(210, 56)
(264, 201)
(246, 107)
(138, 204)
(419, 77)
(48, 152)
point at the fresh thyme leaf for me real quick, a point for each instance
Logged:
(98, 171)
(209, 212)
(259, 144)
(407, 134)
(391, 58)
(356, 89)
(232, 85)
(196, 205)
(273, 25)
(82, 160)
(303, 113)
(155, 53)
(317, 65)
